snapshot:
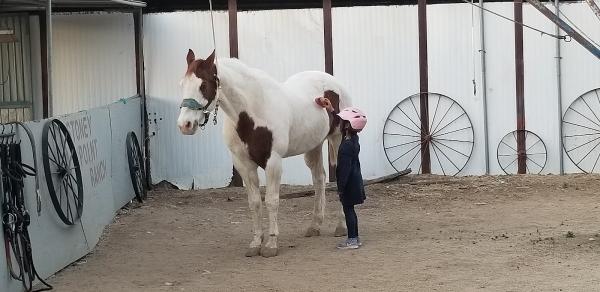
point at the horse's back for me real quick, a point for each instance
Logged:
(309, 85)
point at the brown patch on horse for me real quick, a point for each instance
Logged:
(259, 139)
(205, 70)
(334, 120)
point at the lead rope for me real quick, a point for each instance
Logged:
(212, 23)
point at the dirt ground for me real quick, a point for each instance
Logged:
(420, 233)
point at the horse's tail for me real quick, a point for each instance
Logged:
(335, 138)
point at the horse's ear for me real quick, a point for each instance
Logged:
(190, 57)
(207, 64)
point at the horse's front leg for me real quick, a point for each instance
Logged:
(249, 174)
(273, 173)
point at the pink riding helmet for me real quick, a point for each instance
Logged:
(356, 117)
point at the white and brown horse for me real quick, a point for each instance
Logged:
(265, 122)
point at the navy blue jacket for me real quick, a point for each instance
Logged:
(349, 177)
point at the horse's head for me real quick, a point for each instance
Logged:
(199, 89)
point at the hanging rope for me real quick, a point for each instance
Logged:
(217, 97)
(212, 23)
(562, 37)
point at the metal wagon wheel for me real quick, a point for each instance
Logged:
(62, 171)
(136, 167)
(535, 153)
(581, 131)
(450, 138)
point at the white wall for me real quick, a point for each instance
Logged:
(201, 160)
(93, 60)
(580, 70)
(376, 57)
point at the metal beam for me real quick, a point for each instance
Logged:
(594, 7)
(233, 29)
(559, 91)
(424, 88)
(328, 45)
(327, 35)
(138, 23)
(484, 88)
(520, 88)
(236, 178)
(565, 27)
(46, 59)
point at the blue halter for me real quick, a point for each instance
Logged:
(193, 104)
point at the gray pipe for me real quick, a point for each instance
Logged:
(484, 89)
(49, 53)
(559, 89)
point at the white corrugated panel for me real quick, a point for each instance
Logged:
(201, 160)
(500, 62)
(453, 64)
(375, 55)
(580, 70)
(93, 60)
(541, 93)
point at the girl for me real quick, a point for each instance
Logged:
(349, 177)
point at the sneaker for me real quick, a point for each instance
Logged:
(350, 243)
(359, 242)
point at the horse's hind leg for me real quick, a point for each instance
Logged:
(314, 161)
(273, 173)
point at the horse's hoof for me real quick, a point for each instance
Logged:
(340, 231)
(311, 231)
(252, 251)
(268, 252)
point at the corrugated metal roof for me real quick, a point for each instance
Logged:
(174, 5)
(25, 5)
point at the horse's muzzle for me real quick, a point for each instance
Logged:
(188, 127)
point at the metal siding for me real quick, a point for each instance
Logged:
(36, 67)
(500, 58)
(375, 55)
(453, 56)
(541, 96)
(580, 69)
(201, 160)
(124, 117)
(93, 61)
(15, 70)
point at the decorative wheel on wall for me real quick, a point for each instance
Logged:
(450, 138)
(581, 131)
(136, 167)
(62, 171)
(535, 153)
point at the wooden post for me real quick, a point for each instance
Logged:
(520, 88)
(236, 179)
(328, 44)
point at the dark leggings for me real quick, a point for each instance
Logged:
(351, 221)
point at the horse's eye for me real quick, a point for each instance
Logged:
(202, 87)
